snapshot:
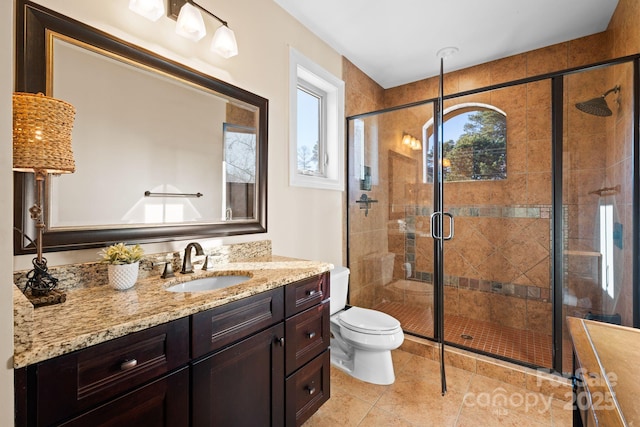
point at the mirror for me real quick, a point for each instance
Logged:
(162, 151)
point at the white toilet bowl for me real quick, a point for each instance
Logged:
(361, 339)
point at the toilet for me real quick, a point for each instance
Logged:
(361, 339)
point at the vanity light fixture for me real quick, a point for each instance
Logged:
(411, 141)
(42, 145)
(190, 23)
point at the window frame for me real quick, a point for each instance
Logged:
(330, 89)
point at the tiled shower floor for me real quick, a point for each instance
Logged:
(525, 346)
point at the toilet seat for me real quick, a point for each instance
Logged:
(368, 321)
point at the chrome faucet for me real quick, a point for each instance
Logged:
(186, 259)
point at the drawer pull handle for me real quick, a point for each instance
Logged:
(281, 341)
(310, 390)
(311, 335)
(128, 364)
(312, 292)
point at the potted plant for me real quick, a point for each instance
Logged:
(123, 263)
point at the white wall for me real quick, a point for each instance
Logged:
(301, 223)
(6, 217)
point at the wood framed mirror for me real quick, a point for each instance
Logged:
(153, 142)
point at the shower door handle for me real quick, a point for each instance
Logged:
(432, 220)
(433, 226)
(451, 222)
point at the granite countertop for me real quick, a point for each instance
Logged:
(92, 315)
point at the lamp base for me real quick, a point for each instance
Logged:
(40, 285)
(53, 297)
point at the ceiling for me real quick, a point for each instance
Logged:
(395, 42)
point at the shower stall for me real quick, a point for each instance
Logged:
(540, 198)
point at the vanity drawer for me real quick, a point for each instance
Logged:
(306, 293)
(307, 335)
(307, 390)
(218, 327)
(71, 383)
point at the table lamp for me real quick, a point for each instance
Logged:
(42, 145)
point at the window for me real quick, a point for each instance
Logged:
(606, 249)
(311, 142)
(475, 144)
(316, 148)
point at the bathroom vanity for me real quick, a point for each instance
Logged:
(247, 355)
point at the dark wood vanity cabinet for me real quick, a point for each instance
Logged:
(276, 377)
(259, 361)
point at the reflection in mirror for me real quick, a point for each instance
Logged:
(162, 151)
(239, 170)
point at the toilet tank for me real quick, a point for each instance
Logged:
(339, 288)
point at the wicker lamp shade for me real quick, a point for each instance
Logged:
(42, 134)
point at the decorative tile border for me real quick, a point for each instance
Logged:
(502, 288)
(488, 211)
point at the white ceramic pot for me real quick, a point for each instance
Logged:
(123, 276)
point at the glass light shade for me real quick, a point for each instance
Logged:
(150, 9)
(224, 42)
(190, 23)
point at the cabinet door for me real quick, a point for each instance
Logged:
(161, 403)
(242, 385)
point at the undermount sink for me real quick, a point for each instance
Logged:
(209, 283)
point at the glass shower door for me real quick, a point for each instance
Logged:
(497, 186)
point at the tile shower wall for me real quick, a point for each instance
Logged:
(497, 266)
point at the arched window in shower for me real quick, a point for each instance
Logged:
(475, 144)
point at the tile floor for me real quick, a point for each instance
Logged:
(415, 400)
(525, 346)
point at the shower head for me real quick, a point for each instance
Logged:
(597, 106)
